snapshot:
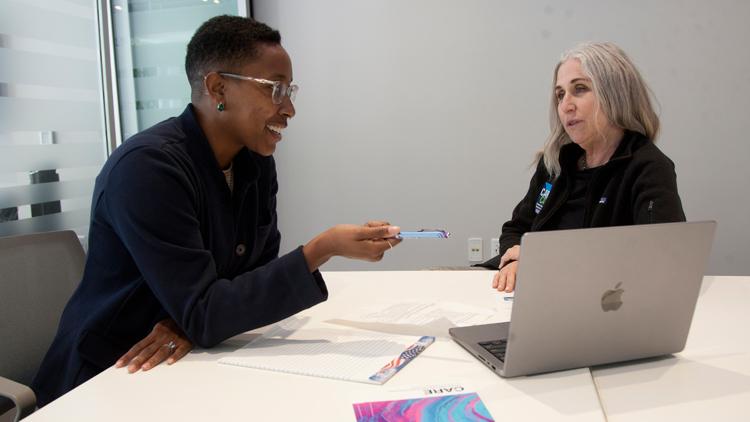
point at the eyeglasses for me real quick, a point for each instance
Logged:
(280, 89)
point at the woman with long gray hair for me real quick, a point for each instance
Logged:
(599, 166)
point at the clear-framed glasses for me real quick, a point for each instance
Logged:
(280, 89)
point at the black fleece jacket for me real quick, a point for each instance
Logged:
(638, 185)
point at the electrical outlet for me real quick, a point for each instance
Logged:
(47, 137)
(494, 246)
(475, 249)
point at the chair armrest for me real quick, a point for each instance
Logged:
(22, 396)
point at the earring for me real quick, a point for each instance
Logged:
(220, 107)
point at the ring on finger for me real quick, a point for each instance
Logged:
(171, 346)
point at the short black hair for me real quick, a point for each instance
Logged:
(224, 43)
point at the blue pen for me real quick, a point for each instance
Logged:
(424, 234)
(508, 298)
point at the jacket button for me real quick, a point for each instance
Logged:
(240, 249)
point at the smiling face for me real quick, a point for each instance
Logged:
(254, 120)
(578, 108)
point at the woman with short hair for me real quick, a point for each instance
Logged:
(184, 244)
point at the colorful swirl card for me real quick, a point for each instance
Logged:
(454, 408)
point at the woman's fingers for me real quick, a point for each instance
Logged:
(505, 279)
(165, 342)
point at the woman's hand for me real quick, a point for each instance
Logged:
(166, 341)
(505, 279)
(368, 242)
(511, 254)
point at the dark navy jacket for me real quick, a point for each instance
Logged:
(638, 185)
(168, 240)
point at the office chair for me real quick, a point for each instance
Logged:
(38, 273)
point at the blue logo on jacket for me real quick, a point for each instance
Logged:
(542, 197)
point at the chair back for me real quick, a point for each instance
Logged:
(38, 273)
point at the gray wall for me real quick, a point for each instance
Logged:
(427, 113)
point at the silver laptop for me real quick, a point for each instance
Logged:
(593, 296)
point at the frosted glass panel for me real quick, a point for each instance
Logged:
(76, 219)
(51, 116)
(44, 192)
(34, 68)
(15, 158)
(60, 21)
(30, 114)
(150, 38)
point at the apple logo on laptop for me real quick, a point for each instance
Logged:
(612, 299)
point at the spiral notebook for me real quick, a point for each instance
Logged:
(330, 352)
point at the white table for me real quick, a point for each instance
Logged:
(198, 388)
(709, 380)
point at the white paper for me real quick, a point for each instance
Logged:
(422, 313)
(324, 351)
(423, 318)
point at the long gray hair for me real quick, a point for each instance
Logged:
(620, 90)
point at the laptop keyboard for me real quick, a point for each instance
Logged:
(496, 348)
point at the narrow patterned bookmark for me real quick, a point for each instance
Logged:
(386, 372)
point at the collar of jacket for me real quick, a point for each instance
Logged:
(247, 164)
(631, 141)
